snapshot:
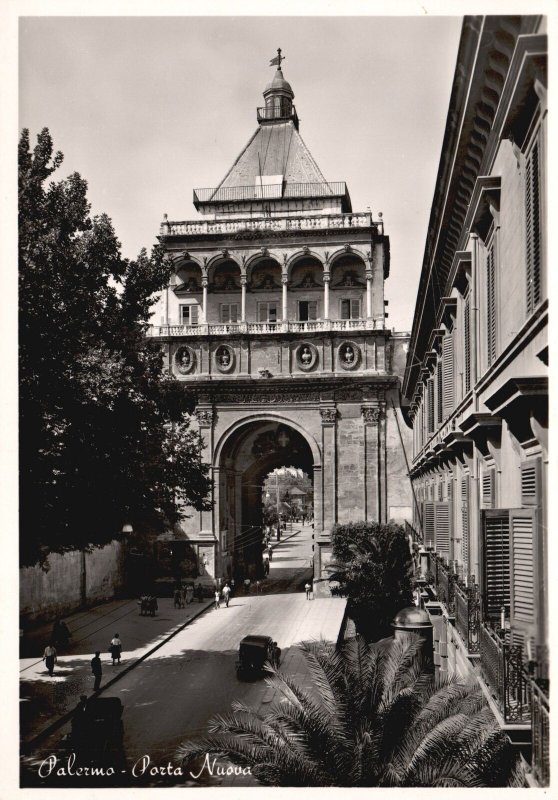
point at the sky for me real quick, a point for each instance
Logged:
(148, 108)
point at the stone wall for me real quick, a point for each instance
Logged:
(56, 592)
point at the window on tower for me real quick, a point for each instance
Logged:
(350, 309)
(267, 312)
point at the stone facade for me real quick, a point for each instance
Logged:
(275, 318)
(477, 379)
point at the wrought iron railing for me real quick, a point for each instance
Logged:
(445, 584)
(467, 614)
(273, 112)
(414, 533)
(502, 668)
(540, 754)
(262, 191)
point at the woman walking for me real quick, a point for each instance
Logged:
(115, 648)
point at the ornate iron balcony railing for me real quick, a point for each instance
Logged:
(467, 614)
(540, 756)
(502, 668)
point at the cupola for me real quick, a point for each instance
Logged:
(278, 96)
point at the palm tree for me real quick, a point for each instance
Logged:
(372, 718)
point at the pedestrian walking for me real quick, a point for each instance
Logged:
(97, 670)
(246, 585)
(60, 634)
(232, 585)
(199, 592)
(217, 596)
(50, 658)
(270, 552)
(226, 594)
(178, 601)
(307, 589)
(115, 648)
(258, 587)
(189, 594)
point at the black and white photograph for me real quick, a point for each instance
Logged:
(277, 451)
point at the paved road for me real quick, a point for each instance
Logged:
(172, 695)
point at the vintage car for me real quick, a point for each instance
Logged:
(253, 653)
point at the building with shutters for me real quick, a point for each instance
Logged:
(476, 380)
(275, 319)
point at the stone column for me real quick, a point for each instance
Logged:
(243, 281)
(329, 467)
(369, 293)
(382, 463)
(284, 280)
(204, 299)
(326, 277)
(371, 417)
(206, 417)
(378, 309)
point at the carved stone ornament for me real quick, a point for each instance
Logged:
(184, 360)
(347, 248)
(225, 252)
(204, 416)
(371, 414)
(306, 357)
(348, 356)
(306, 250)
(224, 358)
(328, 415)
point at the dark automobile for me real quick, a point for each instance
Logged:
(97, 730)
(253, 653)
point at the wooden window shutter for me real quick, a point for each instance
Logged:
(491, 306)
(442, 528)
(488, 488)
(530, 481)
(533, 224)
(496, 562)
(440, 491)
(467, 342)
(430, 405)
(523, 610)
(428, 522)
(450, 488)
(465, 520)
(194, 315)
(448, 375)
(439, 394)
(312, 310)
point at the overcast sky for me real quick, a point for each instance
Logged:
(149, 108)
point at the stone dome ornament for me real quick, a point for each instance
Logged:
(184, 360)
(224, 358)
(306, 356)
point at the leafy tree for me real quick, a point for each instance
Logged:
(373, 719)
(374, 564)
(104, 434)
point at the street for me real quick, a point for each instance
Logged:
(172, 694)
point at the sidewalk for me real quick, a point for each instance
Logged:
(43, 699)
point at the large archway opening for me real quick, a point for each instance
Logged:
(250, 458)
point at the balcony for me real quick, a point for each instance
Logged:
(277, 114)
(274, 191)
(262, 328)
(502, 669)
(540, 756)
(445, 584)
(467, 615)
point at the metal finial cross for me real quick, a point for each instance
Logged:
(277, 60)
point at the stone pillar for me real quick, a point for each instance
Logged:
(204, 299)
(369, 291)
(243, 281)
(382, 463)
(329, 468)
(326, 277)
(205, 416)
(378, 309)
(284, 281)
(371, 417)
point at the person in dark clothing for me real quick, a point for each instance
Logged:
(60, 634)
(115, 647)
(79, 726)
(97, 670)
(199, 592)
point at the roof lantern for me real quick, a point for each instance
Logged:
(278, 96)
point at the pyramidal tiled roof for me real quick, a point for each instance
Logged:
(276, 149)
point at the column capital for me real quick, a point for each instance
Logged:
(205, 417)
(204, 283)
(284, 280)
(326, 277)
(328, 415)
(369, 274)
(243, 280)
(371, 414)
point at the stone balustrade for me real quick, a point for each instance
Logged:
(265, 225)
(228, 329)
